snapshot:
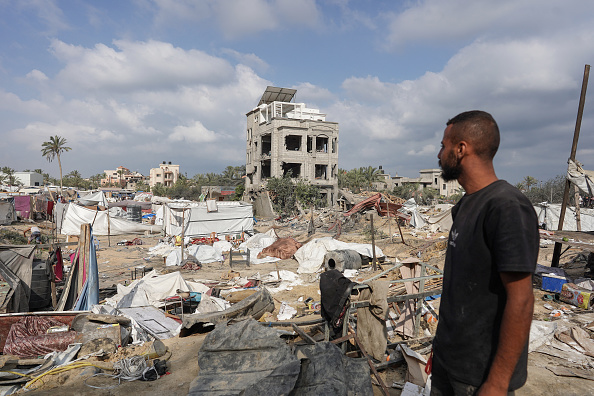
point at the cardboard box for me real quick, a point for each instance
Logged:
(553, 283)
(576, 295)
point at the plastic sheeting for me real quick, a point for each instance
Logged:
(411, 208)
(75, 216)
(549, 214)
(93, 199)
(229, 218)
(311, 255)
(151, 289)
(245, 358)
(23, 206)
(7, 211)
(580, 177)
(16, 266)
(28, 337)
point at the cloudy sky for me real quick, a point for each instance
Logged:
(137, 82)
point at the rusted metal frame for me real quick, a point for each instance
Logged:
(402, 297)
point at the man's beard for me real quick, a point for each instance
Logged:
(450, 171)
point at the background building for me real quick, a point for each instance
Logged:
(122, 177)
(289, 138)
(166, 175)
(427, 178)
(29, 179)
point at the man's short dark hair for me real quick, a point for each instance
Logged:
(479, 128)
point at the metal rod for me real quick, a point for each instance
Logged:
(576, 135)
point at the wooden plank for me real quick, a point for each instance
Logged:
(303, 334)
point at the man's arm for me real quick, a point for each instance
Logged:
(513, 333)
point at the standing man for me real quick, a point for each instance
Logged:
(481, 343)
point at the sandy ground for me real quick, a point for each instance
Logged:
(117, 264)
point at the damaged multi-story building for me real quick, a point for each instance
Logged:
(287, 138)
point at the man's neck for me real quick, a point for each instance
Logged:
(475, 178)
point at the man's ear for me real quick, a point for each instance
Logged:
(461, 149)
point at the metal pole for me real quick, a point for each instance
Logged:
(576, 135)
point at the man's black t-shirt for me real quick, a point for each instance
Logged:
(495, 230)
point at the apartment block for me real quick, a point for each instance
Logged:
(287, 138)
(166, 174)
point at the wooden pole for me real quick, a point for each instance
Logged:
(576, 198)
(576, 135)
(108, 229)
(183, 233)
(374, 259)
(390, 224)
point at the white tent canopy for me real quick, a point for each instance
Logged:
(204, 218)
(92, 198)
(549, 214)
(74, 216)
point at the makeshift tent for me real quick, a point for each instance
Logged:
(92, 199)
(16, 267)
(74, 216)
(23, 206)
(222, 218)
(7, 211)
(549, 215)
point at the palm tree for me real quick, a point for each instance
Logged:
(121, 172)
(530, 181)
(52, 149)
(10, 178)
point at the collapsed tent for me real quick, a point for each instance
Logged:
(152, 289)
(204, 218)
(7, 211)
(70, 217)
(311, 255)
(549, 215)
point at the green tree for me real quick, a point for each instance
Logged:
(121, 173)
(10, 178)
(529, 181)
(53, 149)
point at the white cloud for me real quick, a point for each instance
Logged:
(137, 66)
(195, 133)
(251, 60)
(237, 18)
(37, 75)
(436, 21)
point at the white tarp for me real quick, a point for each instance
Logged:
(549, 214)
(580, 177)
(311, 255)
(411, 208)
(441, 221)
(7, 212)
(152, 289)
(92, 198)
(229, 218)
(256, 243)
(75, 216)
